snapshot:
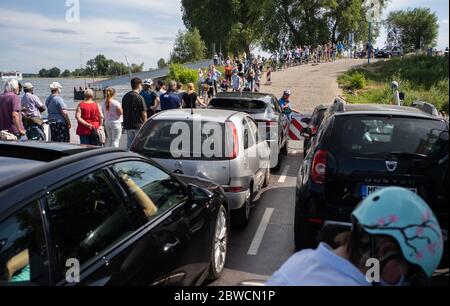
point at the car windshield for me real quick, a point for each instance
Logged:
(248, 106)
(385, 135)
(182, 140)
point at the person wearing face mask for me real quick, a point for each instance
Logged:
(393, 226)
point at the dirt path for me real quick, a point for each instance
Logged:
(310, 85)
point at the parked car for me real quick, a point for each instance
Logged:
(266, 111)
(240, 162)
(313, 125)
(389, 52)
(117, 216)
(362, 148)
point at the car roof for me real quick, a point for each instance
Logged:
(40, 151)
(385, 109)
(31, 170)
(245, 95)
(212, 115)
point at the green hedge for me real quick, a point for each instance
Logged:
(183, 74)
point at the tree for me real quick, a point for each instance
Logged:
(137, 68)
(188, 47)
(101, 64)
(54, 72)
(225, 25)
(162, 63)
(66, 73)
(43, 73)
(415, 28)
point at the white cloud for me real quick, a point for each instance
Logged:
(44, 42)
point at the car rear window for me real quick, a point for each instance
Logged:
(379, 135)
(248, 106)
(158, 138)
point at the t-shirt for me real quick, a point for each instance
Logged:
(111, 115)
(189, 100)
(320, 267)
(133, 105)
(9, 103)
(235, 82)
(55, 106)
(158, 94)
(170, 100)
(149, 97)
(31, 104)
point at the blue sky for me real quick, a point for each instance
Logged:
(35, 34)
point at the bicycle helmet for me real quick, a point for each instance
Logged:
(404, 216)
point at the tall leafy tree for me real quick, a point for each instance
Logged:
(415, 28)
(188, 47)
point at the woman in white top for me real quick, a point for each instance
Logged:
(113, 118)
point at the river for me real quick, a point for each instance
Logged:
(42, 89)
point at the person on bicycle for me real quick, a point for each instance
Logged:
(32, 109)
(395, 239)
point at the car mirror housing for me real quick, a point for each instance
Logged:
(198, 194)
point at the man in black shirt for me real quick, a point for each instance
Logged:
(134, 111)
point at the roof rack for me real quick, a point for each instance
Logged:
(426, 107)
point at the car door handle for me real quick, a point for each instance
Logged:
(171, 245)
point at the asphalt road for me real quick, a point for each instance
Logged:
(257, 251)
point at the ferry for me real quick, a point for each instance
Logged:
(6, 76)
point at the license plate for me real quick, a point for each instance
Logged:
(367, 190)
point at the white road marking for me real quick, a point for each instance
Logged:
(259, 235)
(284, 174)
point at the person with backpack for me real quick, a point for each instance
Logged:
(149, 96)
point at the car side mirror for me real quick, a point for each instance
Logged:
(199, 195)
(306, 132)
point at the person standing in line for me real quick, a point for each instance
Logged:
(215, 75)
(57, 114)
(201, 79)
(113, 119)
(10, 110)
(159, 90)
(149, 97)
(32, 109)
(170, 100)
(90, 118)
(190, 98)
(134, 111)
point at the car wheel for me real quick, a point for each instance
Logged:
(219, 245)
(305, 233)
(279, 159)
(242, 215)
(267, 178)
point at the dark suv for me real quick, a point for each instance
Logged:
(264, 108)
(78, 215)
(362, 148)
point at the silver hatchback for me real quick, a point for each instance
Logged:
(218, 145)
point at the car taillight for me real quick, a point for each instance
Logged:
(319, 167)
(234, 150)
(235, 189)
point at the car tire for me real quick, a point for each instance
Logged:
(241, 216)
(266, 178)
(305, 233)
(219, 245)
(279, 160)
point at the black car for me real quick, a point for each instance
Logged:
(266, 111)
(313, 125)
(108, 216)
(362, 148)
